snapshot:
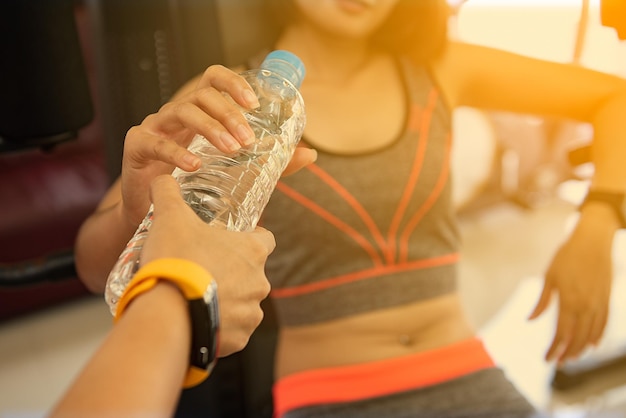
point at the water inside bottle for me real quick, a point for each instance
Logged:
(229, 190)
(127, 263)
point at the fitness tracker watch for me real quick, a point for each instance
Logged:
(616, 200)
(199, 288)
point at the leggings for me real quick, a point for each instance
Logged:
(451, 382)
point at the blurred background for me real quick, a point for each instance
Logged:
(111, 62)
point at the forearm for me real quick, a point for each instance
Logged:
(140, 368)
(609, 144)
(608, 157)
(99, 243)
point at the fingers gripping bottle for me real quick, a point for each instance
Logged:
(231, 190)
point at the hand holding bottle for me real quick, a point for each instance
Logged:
(159, 143)
(236, 260)
(157, 146)
(229, 188)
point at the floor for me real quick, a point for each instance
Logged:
(500, 281)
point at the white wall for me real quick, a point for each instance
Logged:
(542, 29)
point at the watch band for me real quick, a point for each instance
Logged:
(616, 200)
(199, 288)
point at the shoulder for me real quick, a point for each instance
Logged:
(458, 64)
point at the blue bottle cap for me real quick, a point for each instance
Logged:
(286, 64)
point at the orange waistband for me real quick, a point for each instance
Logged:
(362, 381)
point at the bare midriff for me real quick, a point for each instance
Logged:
(372, 336)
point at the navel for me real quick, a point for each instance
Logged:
(405, 340)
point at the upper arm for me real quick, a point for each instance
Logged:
(482, 77)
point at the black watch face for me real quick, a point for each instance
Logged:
(205, 330)
(212, 307)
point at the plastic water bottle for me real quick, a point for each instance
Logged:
(231, 190)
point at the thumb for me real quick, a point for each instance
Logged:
(165, 194)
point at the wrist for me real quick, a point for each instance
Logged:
(164, 294)
(172, 314)
(126, 219)
(607, 205)
(200, 292)
(597, 219)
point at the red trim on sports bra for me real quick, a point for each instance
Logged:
(428, 203)
(364, 274)
(352, 201)
(413, 177)
(385, 377)
(333, 220)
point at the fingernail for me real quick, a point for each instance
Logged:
(245, 133)
(251, 99)
(229, 141)
(192, 160)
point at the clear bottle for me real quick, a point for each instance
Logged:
(231, 190)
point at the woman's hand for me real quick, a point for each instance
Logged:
(235, 259)
(157, 146)
(159, 143)
(581, 275)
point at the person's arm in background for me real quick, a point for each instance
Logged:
(140, 367)
(155, 147)
(581, 272)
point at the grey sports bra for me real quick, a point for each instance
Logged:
(371, 231)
